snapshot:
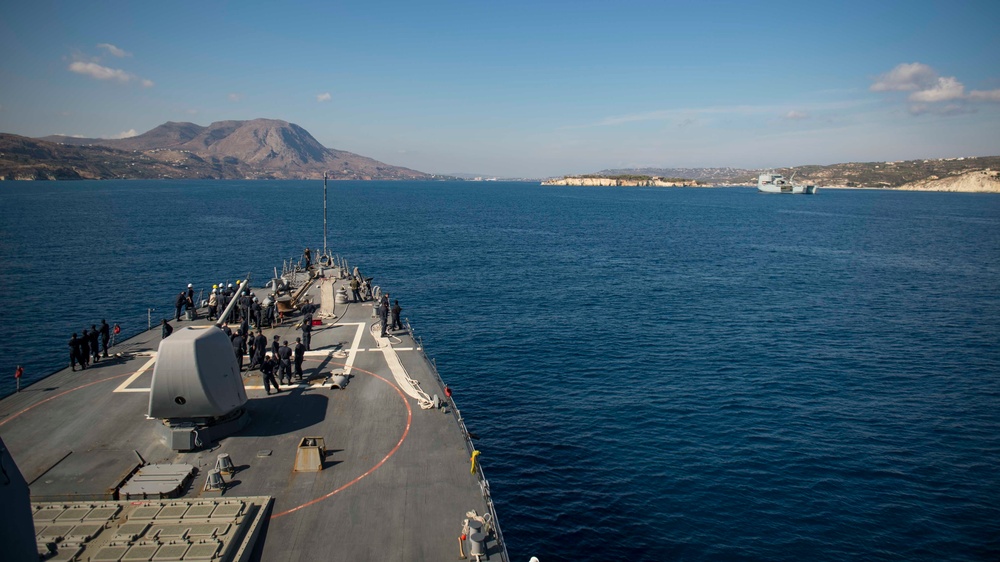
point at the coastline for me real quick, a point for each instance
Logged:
(622, 182)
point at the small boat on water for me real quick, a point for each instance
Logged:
(776, 183)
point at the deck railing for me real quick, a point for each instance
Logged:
(484, 484)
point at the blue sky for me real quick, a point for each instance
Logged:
(523, 88)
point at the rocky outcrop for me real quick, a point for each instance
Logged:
(980, 181)
(616, 182)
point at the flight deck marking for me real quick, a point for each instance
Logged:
(123, 387)
(353, 351)
(409, 420)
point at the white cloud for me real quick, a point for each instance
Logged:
(944, 89)
(126, 134)
(325, 96)
(115, 51)
(235, 96)
(985, 95)
(795, 115)
(100, 72)
(906, 77)
(931, 93)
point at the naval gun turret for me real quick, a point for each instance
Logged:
(197, 390)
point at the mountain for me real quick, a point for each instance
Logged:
(259, 148)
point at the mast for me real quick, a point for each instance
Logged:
(324, 213)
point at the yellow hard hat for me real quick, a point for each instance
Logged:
(215, 286)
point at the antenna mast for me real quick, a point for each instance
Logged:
(324, 213)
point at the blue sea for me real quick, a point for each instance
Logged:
(654, 374)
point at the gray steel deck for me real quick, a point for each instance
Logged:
(396, 482)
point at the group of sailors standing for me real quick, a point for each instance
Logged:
(248, 308)
(83, 349)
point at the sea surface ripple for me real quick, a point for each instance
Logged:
(655, 374)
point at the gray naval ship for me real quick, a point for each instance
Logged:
(168, 451)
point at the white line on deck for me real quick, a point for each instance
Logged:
(353, 352)
(123, 387)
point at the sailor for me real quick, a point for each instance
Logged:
(244, 328)
(307, 328)
(366, 288)
(189, 305)
(251, 351)
(105, 335)
(259, 348)
(239, 348)
(383, 313)
(300, 354)
(255, 311)
(355, 288)
(213, 304)
(74, 353)
(275, 345)
(179, 303)
(223, 302)
(396, 309)
(285, 358)
(267, 375)
(308, 257)
(85, 348)
(245, 302)
(230, 296)
(165, 329)
(95, 348)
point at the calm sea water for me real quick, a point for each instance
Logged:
(690, 374)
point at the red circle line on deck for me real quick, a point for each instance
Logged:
(406, 431)
(63, 393)
(409, 419)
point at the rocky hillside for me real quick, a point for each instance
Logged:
(22, 158)
(913, 174)
(985, 181)
(256, 149)
(890, 174)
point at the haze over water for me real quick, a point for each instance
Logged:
(698, 374)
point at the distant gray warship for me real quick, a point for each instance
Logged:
(776, 183)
